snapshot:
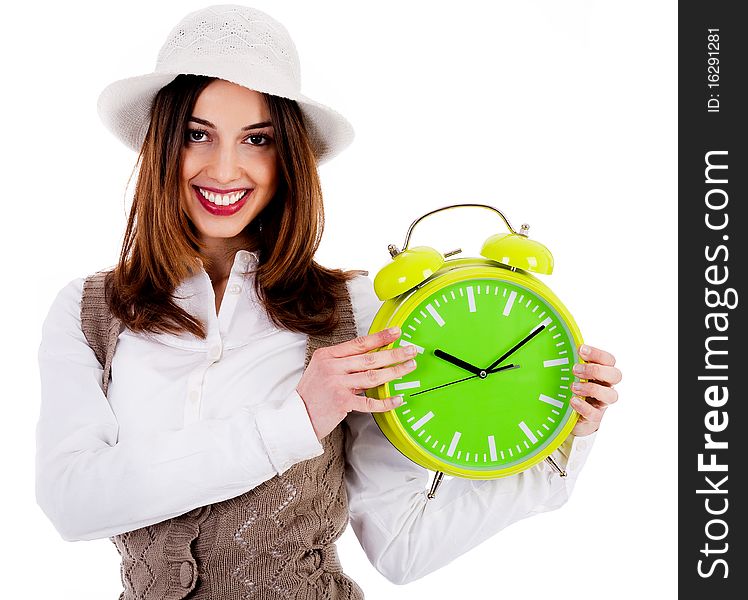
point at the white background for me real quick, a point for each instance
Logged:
(562, 114)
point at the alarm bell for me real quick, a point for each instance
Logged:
(412, 266)
(516, 250)
(407, 269)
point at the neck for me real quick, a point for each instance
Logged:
(218, 254)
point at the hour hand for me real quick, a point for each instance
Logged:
(458, 362)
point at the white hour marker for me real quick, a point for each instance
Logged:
(526, 430)
(453, 443)
(551, 401)
(544, 323)
(492, 447)
(509, 303)
(436, 315)
(471, 298)
(555, 362)
(422, 421)
(407, 385)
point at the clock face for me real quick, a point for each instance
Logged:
(493, 380)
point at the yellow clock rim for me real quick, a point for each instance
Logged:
(393, 313)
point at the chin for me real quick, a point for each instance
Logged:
(222, 232)
(226, 230)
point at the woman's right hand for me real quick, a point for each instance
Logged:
(336, 374)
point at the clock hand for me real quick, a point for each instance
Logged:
(516, 347)
(497, 370)
(502, 368)
(457, 362)
(444, 385)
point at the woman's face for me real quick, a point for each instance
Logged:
(229, 155)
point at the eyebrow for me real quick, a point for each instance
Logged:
(245, 128)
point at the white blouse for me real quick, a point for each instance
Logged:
(189, 422)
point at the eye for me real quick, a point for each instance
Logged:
(259, 139)
(195, 132)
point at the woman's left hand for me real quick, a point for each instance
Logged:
(592, 398)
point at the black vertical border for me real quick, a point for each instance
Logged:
(701, 131)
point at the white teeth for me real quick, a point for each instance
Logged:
(223, 199)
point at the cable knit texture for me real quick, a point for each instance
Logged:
(276, 541)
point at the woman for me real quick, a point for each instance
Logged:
(226, 442)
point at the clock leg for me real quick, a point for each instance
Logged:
(435, 484)
(555, 467)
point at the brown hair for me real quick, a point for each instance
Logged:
(160, 242)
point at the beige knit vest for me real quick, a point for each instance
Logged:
(276, 541)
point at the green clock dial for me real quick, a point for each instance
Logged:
(491, 392)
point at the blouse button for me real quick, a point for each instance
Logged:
(186, 574)
(235, 288)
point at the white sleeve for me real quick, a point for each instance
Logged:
(92, 485)
(401, 531)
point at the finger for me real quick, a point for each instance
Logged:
(374, 377)
(595, 355)
(597, 372)
(374, 360)
(586, 410)
(596, 403)
(363, 343)
(370, 405)
(606, 395)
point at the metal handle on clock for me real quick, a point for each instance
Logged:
(394, 250)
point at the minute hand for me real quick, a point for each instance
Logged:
(516, 347)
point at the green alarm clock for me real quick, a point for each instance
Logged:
(490, 395)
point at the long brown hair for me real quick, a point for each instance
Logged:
(160, 242)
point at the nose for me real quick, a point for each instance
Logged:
(224, 164)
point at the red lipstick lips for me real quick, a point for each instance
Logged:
(221, 211)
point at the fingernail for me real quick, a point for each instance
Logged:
(399, 400)
(584, 349)
(576, 387)
(578, 369)
(410, 350)
(410, 363)
(575, 401)
(393, 331)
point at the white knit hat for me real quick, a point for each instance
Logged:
(236, 43)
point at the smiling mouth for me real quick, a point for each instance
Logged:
(226, 199)
(230, 203)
